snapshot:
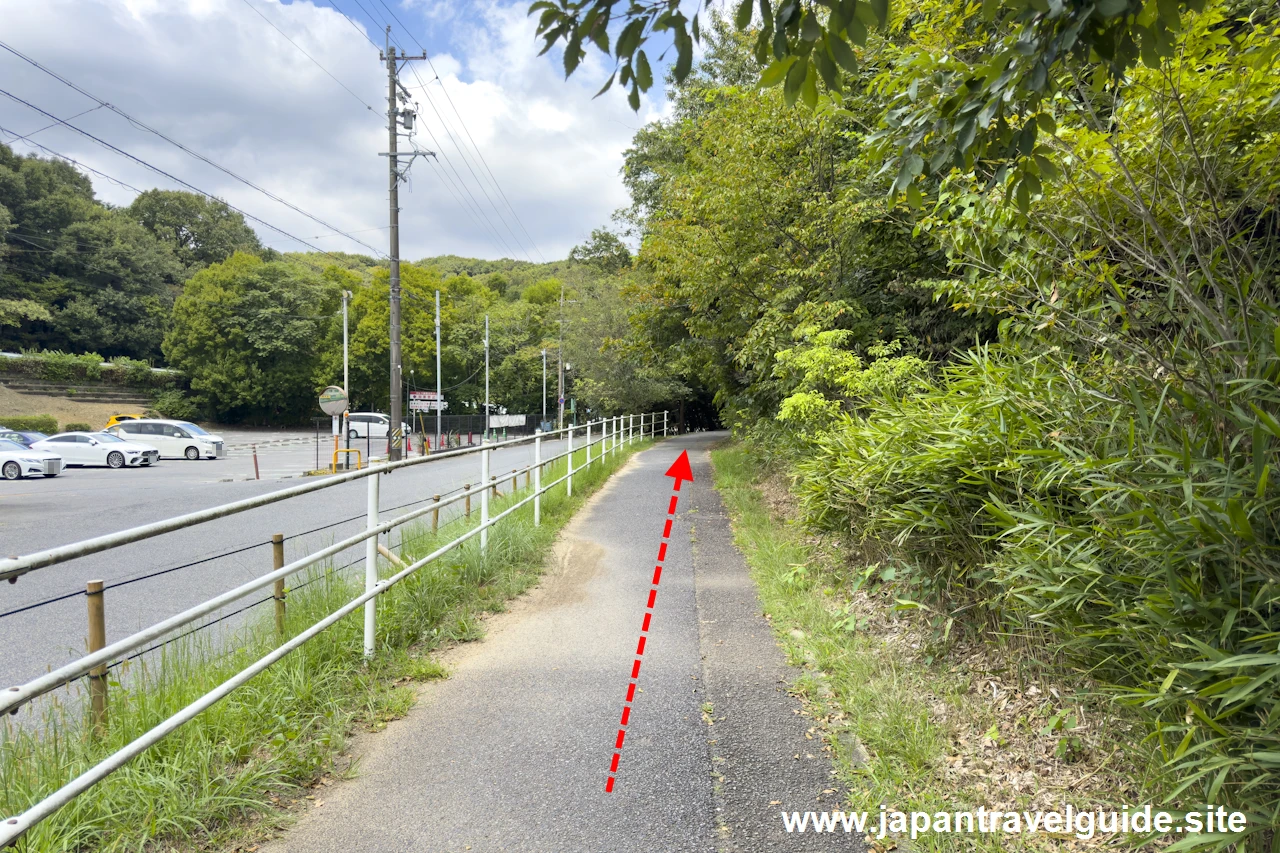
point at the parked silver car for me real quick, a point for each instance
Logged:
(98, 448)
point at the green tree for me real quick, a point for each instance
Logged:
(101, 282)
(605, 252)
(247, 333)
(199, 230)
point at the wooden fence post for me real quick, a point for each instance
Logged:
(97, 640)
(277, 562)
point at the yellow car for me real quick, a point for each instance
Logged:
(117, 419)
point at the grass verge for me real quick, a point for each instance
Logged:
(917, 723)
(229, 776)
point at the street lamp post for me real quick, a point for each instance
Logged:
(544, 387)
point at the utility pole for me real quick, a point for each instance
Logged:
(394, 118)
(486, 377)
(560, 361)
(439, 395)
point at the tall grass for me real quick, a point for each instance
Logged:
(896, 719)
(1098, 521)
(222, 775)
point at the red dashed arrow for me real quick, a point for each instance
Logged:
(680, 472)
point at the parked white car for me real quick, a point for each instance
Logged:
(371, 424)
(18, 461)
(174, 439)
(98, 448)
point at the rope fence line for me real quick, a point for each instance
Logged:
(185, 565)
(54, 600)
(193, 563)
(128, 581)
(194, 630)
(461, 516)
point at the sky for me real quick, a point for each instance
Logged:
(526, 165)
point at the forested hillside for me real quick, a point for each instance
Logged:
(181, 281)
(996, 285)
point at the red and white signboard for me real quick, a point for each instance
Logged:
(426, 401)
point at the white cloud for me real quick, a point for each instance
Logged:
(214, 75)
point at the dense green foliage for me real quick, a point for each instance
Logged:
(247, 333)
(76, 275)
(180, 280)
(1023, 348)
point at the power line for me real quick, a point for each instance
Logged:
(53, 153)
(461, 182)
(308, 56)
(463, 192)
(179, 145)
(356, 26)
(160, 171)
(461, 151)
(382, 22)
(465, 129)
(55, 124)
(467, 162)
(467, 190)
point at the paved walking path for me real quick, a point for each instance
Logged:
(511, 753)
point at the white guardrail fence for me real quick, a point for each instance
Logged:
(609, 435)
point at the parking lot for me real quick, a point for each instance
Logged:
(150, 580)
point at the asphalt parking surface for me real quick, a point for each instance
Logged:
(38, 513)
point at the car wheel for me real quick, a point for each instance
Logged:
(193, 453)
(12, 471)
(352, 434)
(115, 459)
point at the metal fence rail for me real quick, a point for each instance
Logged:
(604, 436)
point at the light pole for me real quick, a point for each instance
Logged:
(346, 380)
(544, 387)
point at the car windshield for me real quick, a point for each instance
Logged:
(35, 436)
(8, 446)
(106, 436)
(192, 428)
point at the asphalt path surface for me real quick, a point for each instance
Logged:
(511, 752)
(37, 513)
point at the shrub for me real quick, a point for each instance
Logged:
(1089, 515)
(133, 371)
(53, 366)
(58, 366)
(176, 405)
(36, 423)
(77, 426)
